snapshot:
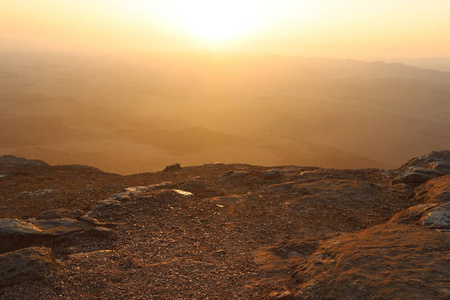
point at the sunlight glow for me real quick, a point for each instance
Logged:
(218, 21)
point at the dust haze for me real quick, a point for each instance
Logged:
(139, 113)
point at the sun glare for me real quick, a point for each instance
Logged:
(217, 21)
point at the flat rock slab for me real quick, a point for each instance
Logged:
(16, 234)
(58, 227)
(24, 265)
(14, 227)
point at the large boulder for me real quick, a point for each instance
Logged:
(416, 176)
(194, 186)
(388, 261)
(433, 216)
(436, 160)
(24, 265)
(422, 169)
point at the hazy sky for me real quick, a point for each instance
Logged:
(333, 28)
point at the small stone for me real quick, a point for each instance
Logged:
(219, 253)
(281, 296)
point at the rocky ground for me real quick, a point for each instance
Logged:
(225, 232)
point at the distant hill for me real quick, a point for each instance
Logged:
(434, 63)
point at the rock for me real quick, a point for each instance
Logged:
(172, 168)
(219, 253)
(59, 227)
(286, 295)
(280, 259)
(104, 207)
(25, 265)
(416, 176)
(93, 254)
(268, 176)
(89, 220)
(130, 263)
(434, 191)
(437, 217)
(272, 174)
(11, 161)
(60, 214)
(387, 261)
(102, 232)
(436, 160)
(16, 234)
(171, 195)
(194, 186)
(231, 175)
(129, 192)
(227, 200)
(412, 215)
(422, 169)
(17, 227)
(32, 194)
(40, 193)
(110, 187)
(433, 216)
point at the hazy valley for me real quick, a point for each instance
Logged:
(129, 115)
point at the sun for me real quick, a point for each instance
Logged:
(217, 21)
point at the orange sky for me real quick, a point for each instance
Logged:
(343, 29)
